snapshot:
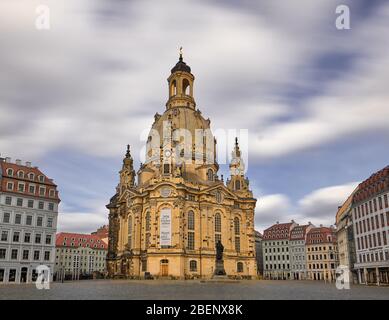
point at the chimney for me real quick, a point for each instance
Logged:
(8, 160)
(18, 162)
(277, 222)
(28, 164)
(292, 221)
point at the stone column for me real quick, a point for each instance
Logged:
(365, 275)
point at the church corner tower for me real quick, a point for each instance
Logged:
(167, 218)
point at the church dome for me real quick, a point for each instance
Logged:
(181, 66)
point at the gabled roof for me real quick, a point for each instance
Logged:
(76, 240)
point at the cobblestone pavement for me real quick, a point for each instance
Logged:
(173, 289)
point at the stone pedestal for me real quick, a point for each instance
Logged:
(219, 268)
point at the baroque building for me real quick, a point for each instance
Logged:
(168, 222)
(370, 216)
(29, 203)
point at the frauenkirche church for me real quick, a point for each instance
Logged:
(172, 220)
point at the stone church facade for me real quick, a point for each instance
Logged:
(168, 222)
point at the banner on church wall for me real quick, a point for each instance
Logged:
(165, 227)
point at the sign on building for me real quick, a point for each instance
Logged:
(165, 227)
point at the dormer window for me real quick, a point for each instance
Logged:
(41, 178)
(31, 176)
(10, 172)
(21, 174)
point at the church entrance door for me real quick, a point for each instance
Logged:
(164, 268)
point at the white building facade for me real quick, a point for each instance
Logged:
(28, 220)
(276, 254)
(370, 213)
(79, 255)
(298, 263)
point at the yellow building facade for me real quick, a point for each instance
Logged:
(166, 219)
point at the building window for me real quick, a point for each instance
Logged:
(21, 187)
(51, 193)
(193, 265)
(129, 232)
(51, 206)
(10, 172)
(14, 254)
(38, 237)
(29, 220)
(239, 267)
(2, 253)
(31, 176)
(31, 189)
(21, 174)
(49, 222)
(4, 235)
(237, 244)
(19, 202)
(47, 255)
(8, 201)
(236, 226)
(191, 240)
(16, 236)
(191, 220)
(36, 255)
(27, 237)
(6, 217)
(48, 239)
(10, 186)
(210, 175)
(41, 205)
(237, 185)
(41, 178)
(25, 254)
(39, 221)
(218, 197)
(42, 191)
(30, 203)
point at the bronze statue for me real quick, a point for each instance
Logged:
(219, 250)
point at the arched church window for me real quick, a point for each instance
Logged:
(185, 86)
(191, 220)
(210, 175)
(237, 226)
(191, 228)
(237, 234)
(218, 223)
(193, 265)
(147, 221)
(129, 232)
(173, 88)
(218, 228)
(237, 185)
(148, 228)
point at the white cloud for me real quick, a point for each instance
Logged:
(318, 207)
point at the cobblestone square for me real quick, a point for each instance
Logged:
(178, 290)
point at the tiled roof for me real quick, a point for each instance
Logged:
(321, 235)
(15, 179)
(298, 232)
(75, 240)
(375, 184)
(278, 231)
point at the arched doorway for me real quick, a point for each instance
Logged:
(164, 268)
(23, 274)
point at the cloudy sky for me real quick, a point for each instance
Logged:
(315, 99)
